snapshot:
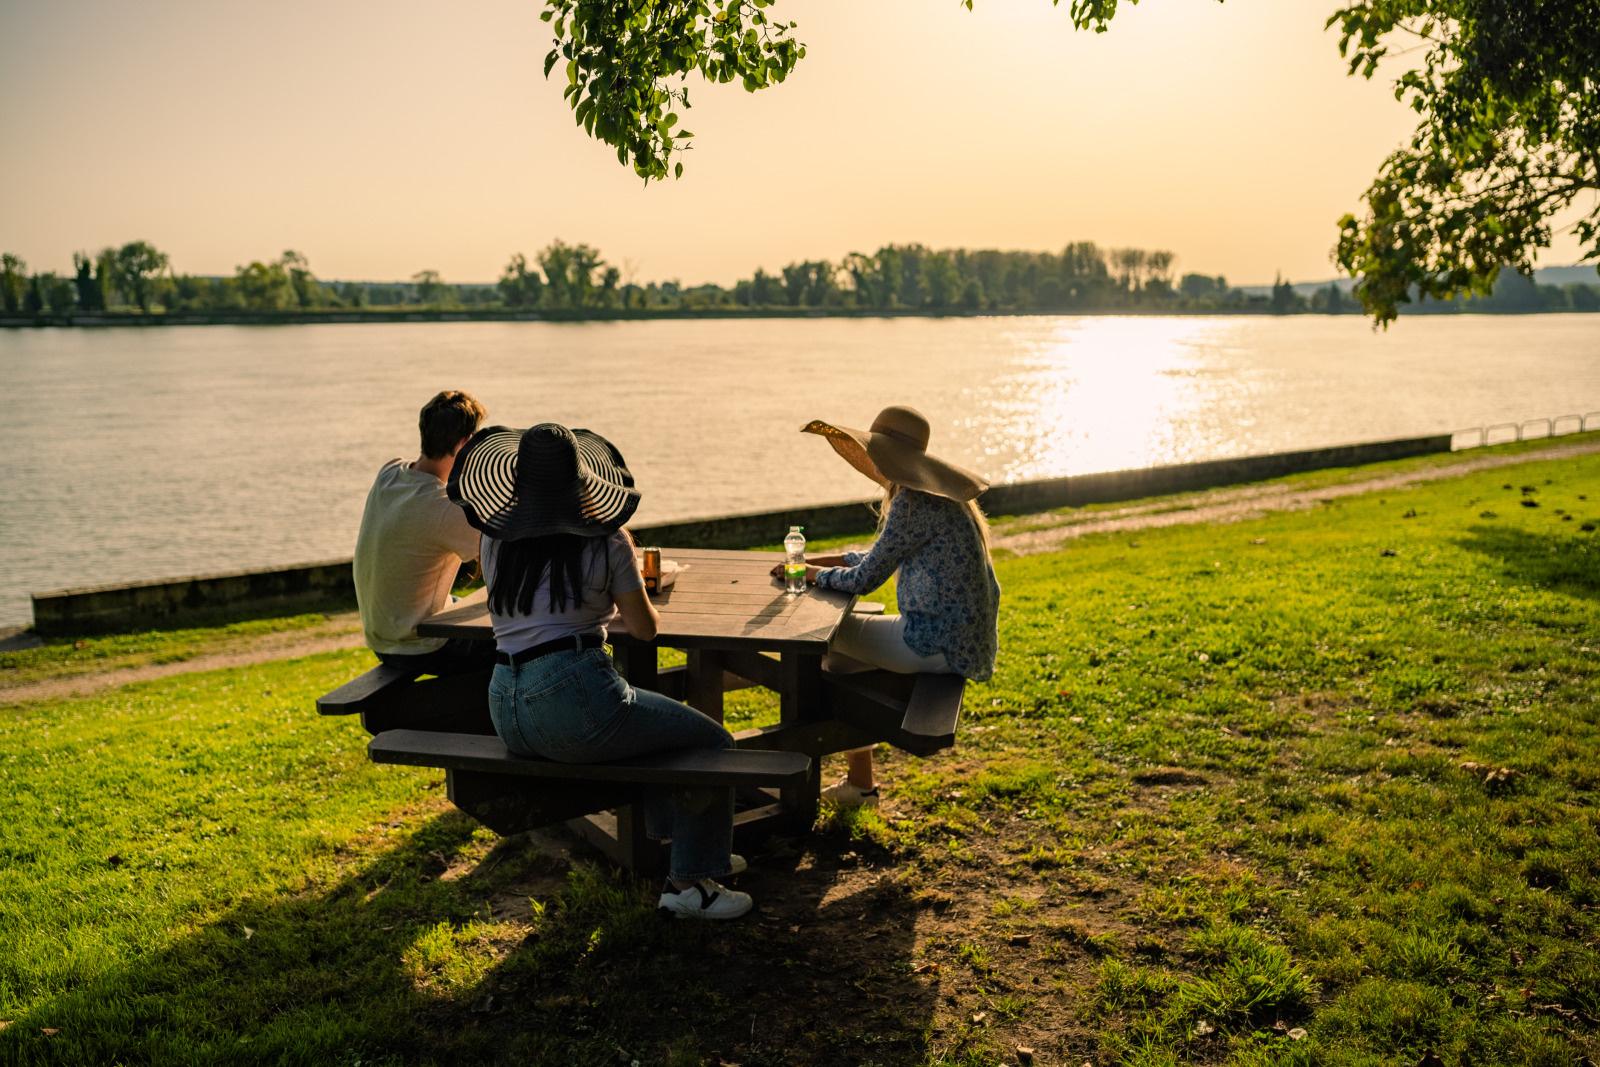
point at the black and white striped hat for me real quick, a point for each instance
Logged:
(515, 484)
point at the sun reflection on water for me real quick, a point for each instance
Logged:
(1105, 394)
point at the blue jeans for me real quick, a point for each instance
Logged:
(573, 707)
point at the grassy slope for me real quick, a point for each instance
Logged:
(1228, 782)
(66, 657)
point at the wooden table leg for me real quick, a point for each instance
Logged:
(636, 662)
(620, 836)
(800, 700)
(704, 689)
(637, 852)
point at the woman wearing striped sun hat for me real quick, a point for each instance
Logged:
(550, 503)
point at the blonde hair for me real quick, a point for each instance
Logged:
(979, 521)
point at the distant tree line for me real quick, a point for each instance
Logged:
(575, 279)
(1512, 293)
(138, 278)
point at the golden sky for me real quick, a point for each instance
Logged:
(380, 139)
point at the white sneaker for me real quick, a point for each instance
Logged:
(846, 794)
(704, 900)
(736, 864)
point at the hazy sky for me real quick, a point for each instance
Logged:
(384, 138)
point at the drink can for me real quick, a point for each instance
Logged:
(650, 565)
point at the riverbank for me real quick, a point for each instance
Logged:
(421, 314)
(185, 600)
(40, 667)
(1314, 786)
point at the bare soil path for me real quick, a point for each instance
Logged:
(1029, 535)
(1025, 535)
(338, 632)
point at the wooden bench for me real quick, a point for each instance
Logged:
(683, 767)
(510, 794)
(391, 698)
(914, 712)
(353, 695)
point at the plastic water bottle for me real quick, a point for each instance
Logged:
(794, 560)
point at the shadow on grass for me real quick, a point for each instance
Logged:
(1567, 564)
(423, 955)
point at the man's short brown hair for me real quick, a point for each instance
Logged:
(446, 419)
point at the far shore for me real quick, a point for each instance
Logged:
(363, 315)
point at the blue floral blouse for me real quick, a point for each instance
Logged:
(947, 589)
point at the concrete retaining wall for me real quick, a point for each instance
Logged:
(103, 608)
(1112, 486)
(147, 604)
(1021, 498)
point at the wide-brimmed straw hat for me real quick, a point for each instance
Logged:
(547, 479)
(895, 452)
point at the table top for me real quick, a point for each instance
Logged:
(725, 600)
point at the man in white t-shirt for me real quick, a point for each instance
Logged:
(412, 543)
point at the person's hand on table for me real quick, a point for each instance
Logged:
(812, 570)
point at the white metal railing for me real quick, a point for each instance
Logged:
(1502, 433)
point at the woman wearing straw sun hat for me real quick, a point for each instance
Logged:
(550, 503)
(933, 534)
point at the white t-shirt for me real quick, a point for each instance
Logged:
(411, 545)
(604, 577)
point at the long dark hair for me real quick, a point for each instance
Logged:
(519, 567)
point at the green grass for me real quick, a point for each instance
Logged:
(1316, 788)
(63, 657)
(1318, 479)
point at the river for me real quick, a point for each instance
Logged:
(137, 453)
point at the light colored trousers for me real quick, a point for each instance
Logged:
(868, 642)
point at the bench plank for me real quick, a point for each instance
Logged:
(813, 738)
(477, 752)
(509, 804)
(934, 707)
(367, 689)
(456, 702)
(914, 712)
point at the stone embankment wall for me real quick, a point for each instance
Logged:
(316, 585)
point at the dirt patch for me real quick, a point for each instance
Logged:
(1169, 776)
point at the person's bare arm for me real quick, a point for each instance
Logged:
(638, 614)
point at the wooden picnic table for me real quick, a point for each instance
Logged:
(738, 625)
(739, 628)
